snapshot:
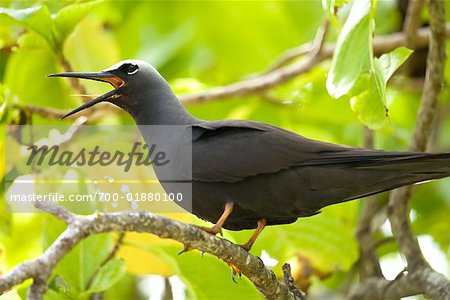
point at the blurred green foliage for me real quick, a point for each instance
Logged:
(197, 45)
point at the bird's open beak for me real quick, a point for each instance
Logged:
(103, 76)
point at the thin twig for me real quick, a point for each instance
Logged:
(289, 55)
(413, 21)
(381, 44)
(45, 112)
(319, 40)
(309, 48)
(74, 82)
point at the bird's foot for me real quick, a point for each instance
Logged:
(186, 248)
(235, 271)
(214, 230)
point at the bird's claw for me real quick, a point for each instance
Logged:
(235, 271)
(186, 248)
(211, 230)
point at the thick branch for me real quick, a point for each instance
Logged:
(290, 282)
(368, 263)
(405, 285)
(434, 284)
(82, 226)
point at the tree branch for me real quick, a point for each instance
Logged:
(431, 282)
(79, 227)
(381, 44)
(413, 21)
(368, 263)
(312, 48)
(74, 82)
(290, 282)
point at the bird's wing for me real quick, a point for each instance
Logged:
(232, 150)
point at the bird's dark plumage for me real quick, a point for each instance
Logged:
(265, 171)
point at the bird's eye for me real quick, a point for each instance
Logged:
(130, 69)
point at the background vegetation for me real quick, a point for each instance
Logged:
(197, 46)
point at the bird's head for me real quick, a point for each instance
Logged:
(129, 78)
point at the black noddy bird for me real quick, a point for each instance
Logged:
(247, 174)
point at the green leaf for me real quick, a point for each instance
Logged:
(390, 62)
(3, 104)
(353, 53)
(54, 29)
(67, 18)
(58, 289)
(369, 105)
(326, 240)
(108, 275)
(11, 295)
(32, 41)
(78, 267)
(37, 19)
(369, 102)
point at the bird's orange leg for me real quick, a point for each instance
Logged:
(248, 245)
(217, 228)
(261, 224)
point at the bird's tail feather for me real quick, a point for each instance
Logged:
(375, 171)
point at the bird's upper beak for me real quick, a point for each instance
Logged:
(103, 76)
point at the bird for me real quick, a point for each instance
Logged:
(247, 174)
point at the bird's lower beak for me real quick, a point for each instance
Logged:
(103, 76)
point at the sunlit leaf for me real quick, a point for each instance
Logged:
(11, 295)
(391, 61)
(32, 41)
(369, 101)
(69, 17)
(54, 29)
(370, 105)
(36, 18)
(353, 53)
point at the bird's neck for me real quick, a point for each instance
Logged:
(160, 108)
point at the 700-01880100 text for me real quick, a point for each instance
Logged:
(141, 197)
